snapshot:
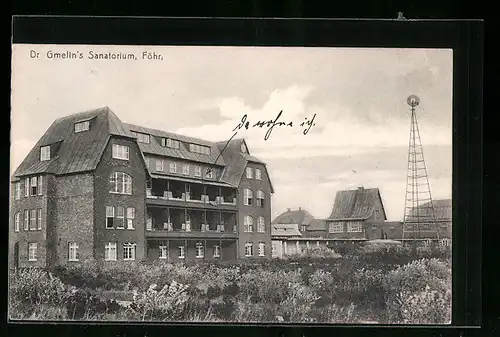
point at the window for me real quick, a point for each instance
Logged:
(249, 173)
(33, 219)
(377, 214)
(110, 251)
(121, 183)
(17, 191)
(248, 249)
(39, 221)
(247, 197)
(119, 217)
(197, 171)
(163, 252)
(27, 187)
(40, 185)
(210, 173)
(258, 175)
(185, 169)
(82, 126)
(168, 142)
(216, 251)
(354, 227)
(130, 217)
(26, 219)
(17, 219)
(110, 216)
(142, 137)
(129, 251)
(262, 246)
(159, 165)
(261, 225)
(199, 250)
(32, 251)
(260, 198)
(444, 242)
(173, 168)
(120, 152)
(199, 149)
(181, 252)
(336, 227)
(73, 251)
(34, 186)
(303, 228)
(248, 224)
(44, 153)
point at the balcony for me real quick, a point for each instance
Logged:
(177, 223)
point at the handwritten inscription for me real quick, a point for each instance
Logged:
(307, 124)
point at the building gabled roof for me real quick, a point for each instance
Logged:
(317, 225)
(299, 217)
(442, 209)
(285, 230)
(355, 204)
(154, 147)
(236, 161)
(75, 152)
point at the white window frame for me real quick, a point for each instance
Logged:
(200, 250)
(249, 173)
(162, 252)
(40, 184)
(262, 249)
(303, 228)
(248, 249)
(33, 184)
(216, 251)
(248, 224)
(17, 221)
(110, 214)
(181, 252)
(45, 153)
(354, 227)
(130, 217)
(261, 224)
(336, 227)
(261, 197)
(258, 174)
(120, 217)
(185, 169)
(210, 173)
(73, 252)
(143, 137)
(17, 190)
(159, 165)
(82, 126)
(32, 251)
(39, 219)
(172, 143)
(110, 247)
(197, 171)
(173, 167)
(33, 218)
(129, 250)
(121, 152)
(27, 187)
(26, 219)
(247, 197)
(445, 242)
(122, 180)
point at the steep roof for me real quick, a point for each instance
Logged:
(355, 204)
(74, 152)
(236, 161)
(299, 217)
(285, 230)
(442, 209)
(317, 225)
(154, 147)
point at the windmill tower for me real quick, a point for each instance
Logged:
(419, 216)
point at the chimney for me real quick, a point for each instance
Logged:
(300, 208)
(289, 210)
(360, 188)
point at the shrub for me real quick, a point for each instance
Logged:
(82, 304)
(427, 307)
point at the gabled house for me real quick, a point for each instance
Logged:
(354, 214)
(435, 223)
(94, 187)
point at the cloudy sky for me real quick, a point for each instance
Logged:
(360, 136)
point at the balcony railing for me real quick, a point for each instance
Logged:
(186, 196)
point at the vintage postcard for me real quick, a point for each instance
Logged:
(231, 184)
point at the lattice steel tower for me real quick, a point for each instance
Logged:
(419, 215)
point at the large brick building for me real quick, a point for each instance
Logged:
(94, 187)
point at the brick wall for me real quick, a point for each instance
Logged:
(102, 198)
(254, 211)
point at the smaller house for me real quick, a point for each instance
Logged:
(432, 226)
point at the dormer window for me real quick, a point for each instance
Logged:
(141, 137)
(82, 126)
(199, 149)
(172, 143)
(44, 153)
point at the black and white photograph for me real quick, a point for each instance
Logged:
(231, 184)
